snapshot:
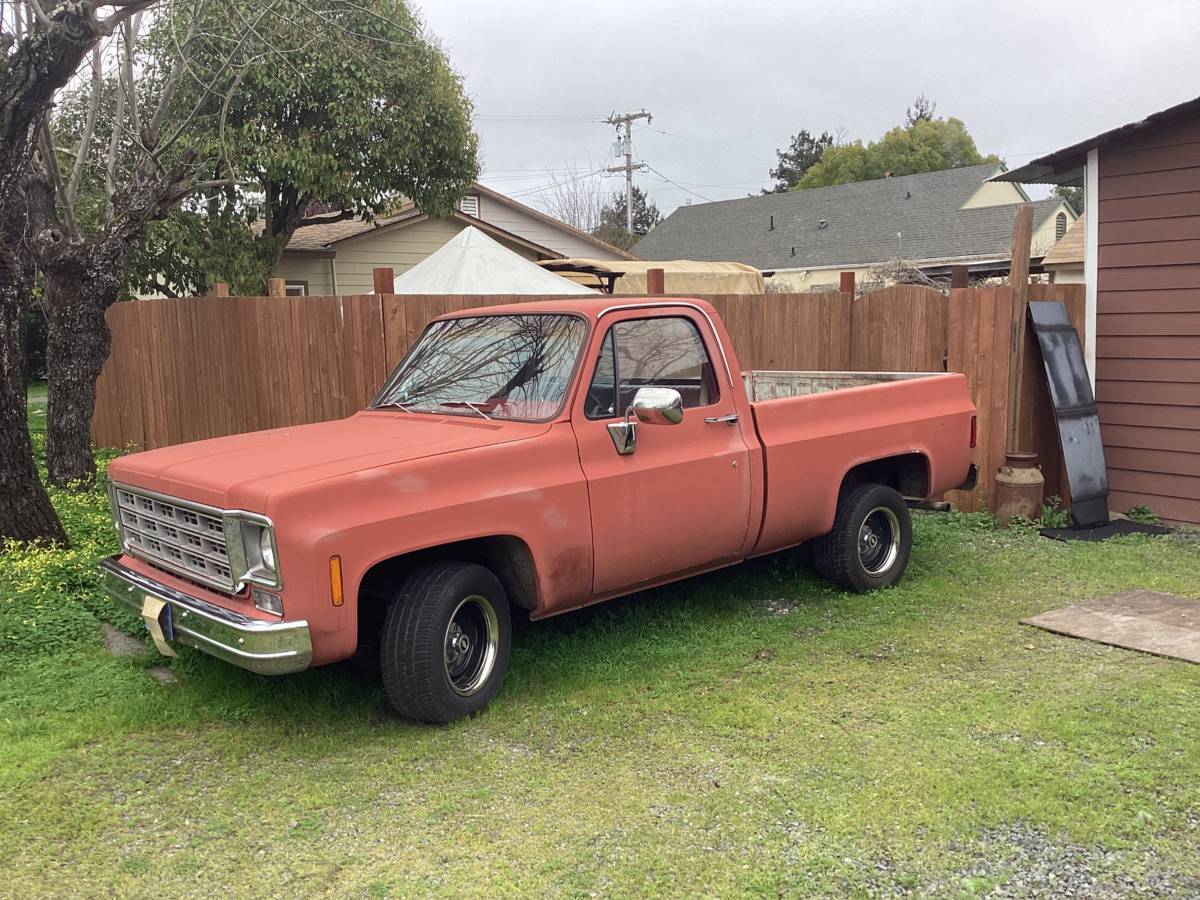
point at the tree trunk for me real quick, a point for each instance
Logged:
(77, 345)
(82, 278)
(25, 510)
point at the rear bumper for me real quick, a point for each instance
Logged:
(269, 648)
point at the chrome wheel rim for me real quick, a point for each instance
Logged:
(879, 540)
(471, 643)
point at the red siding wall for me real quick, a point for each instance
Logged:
(1148, 319)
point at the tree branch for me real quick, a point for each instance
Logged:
(89, 128)
(326, 218)
(50, 162)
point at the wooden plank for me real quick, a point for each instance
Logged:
(1167, 462)
(1144, 231)
(1001, 365)
(1138, 302)
(1164, 206)
(1158, 253)
(1148, 346)
(1158, 394)
(1149, 184)
(1149, 324)
(1152, 370)
(1170, 509)
(1154, 415)
(1140, 437)
(1185, 487)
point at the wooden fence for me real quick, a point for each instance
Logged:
(183, 370)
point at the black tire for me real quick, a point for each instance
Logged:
(871, 539)
(425, 679)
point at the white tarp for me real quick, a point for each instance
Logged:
(473, 263)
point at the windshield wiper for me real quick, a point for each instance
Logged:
(469, 404)
(396, 403)
(475, 406)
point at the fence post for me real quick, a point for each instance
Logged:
(1018, 277)
(959, 277)
(847, 284)
(656, 281)
(276, 287)
(385, 281)
(220, 289)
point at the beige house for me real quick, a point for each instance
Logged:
(339, 257)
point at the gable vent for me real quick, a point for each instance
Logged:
(469, 205)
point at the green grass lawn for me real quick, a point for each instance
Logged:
(35, 398)
(752, 732)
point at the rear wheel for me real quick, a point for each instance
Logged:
(871, 540)
(445, 642)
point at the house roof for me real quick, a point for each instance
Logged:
(550, 220)
(321, 237)
(1069, 250)
(861, 222)
(1065, 166)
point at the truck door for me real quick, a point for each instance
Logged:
(681, 499)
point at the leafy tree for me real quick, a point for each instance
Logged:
(1073, 195)
(613, 219)
(804, 151)
(925, 144)
(371, 117)
(221, 109)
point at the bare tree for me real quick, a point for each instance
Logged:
(575, 197)
(43, 45)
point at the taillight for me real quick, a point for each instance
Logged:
(974, 430)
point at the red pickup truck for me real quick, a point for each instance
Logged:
(542, 456)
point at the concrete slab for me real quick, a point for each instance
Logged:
(1149, 621)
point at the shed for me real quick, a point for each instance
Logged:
(1141, 262)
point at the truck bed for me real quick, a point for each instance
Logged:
(814, 427)
(765, 384)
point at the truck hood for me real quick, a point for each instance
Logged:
(244, 470)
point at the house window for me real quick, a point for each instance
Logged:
(296, 288)
(469, 205)
(1060, 226)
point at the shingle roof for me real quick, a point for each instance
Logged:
(1069, 249)
(861, 223)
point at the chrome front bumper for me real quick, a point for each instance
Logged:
(269, 648)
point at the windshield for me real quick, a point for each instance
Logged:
(497, 367)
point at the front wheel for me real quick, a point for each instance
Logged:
(445, 642)
(871, 539)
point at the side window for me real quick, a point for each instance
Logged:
(667, 352)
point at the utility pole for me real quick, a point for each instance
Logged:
(627, 119)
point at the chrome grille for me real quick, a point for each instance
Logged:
(183, 538)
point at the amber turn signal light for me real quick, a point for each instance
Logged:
(335, 580)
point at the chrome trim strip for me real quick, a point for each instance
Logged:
(711, 326)
(266, 647)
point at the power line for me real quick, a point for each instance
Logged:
(678, 185)
(713, 146)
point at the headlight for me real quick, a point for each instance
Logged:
(266, 549)
(250, 542)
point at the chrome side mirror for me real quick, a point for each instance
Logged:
(650, 406)
(657, 406)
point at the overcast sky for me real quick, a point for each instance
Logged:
(728, 82)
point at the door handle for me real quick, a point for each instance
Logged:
(730, 419)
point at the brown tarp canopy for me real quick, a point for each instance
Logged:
(681, 276)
